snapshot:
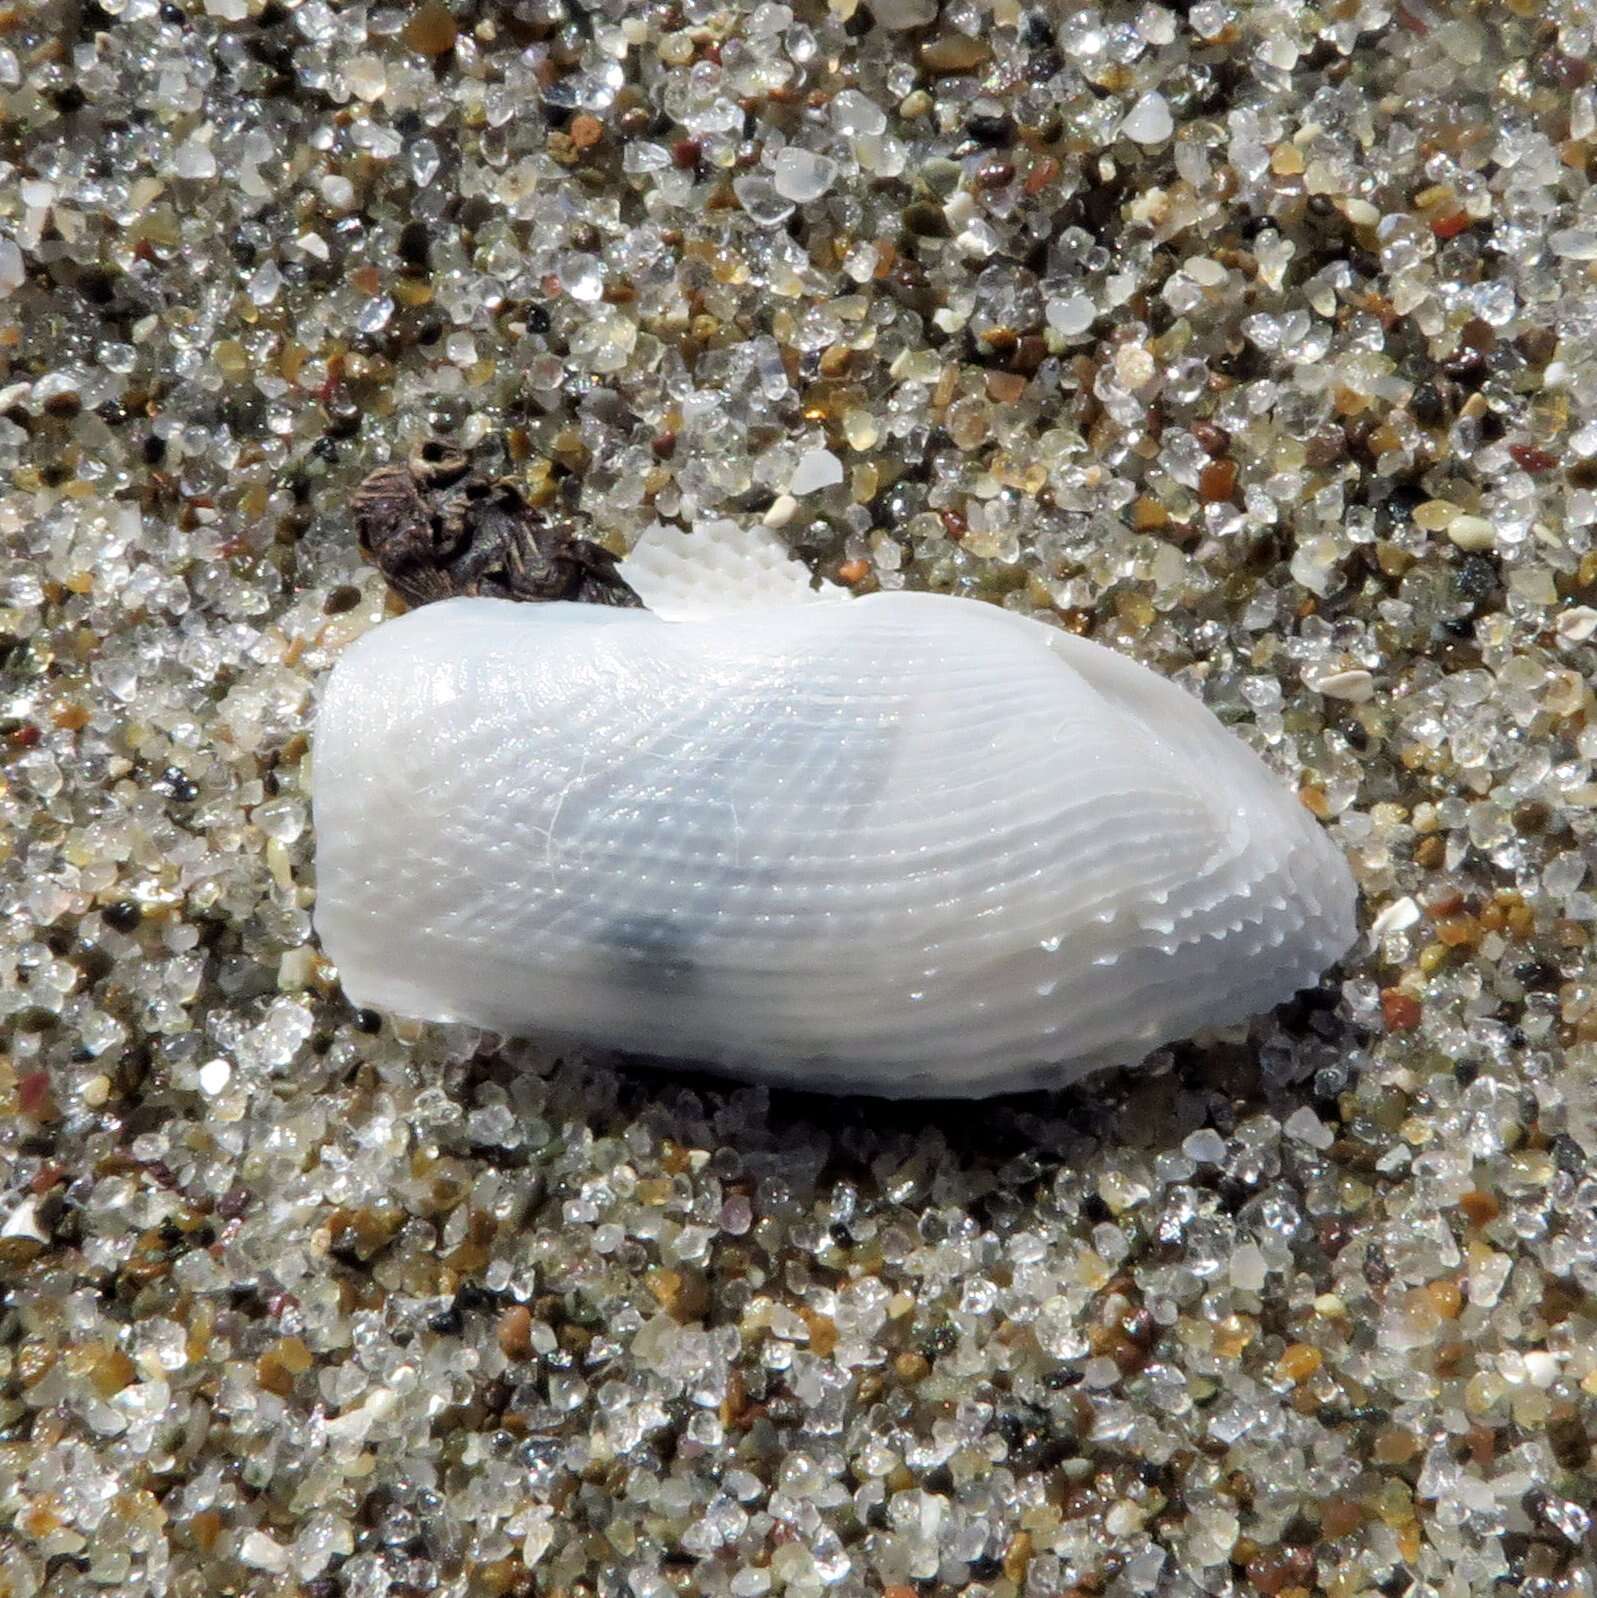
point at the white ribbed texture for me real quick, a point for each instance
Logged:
(905, 844)
(718, 567)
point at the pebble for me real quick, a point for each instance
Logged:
(1071, 315)
(816, 469)
(1205, 1146)
(761, 199)
(1472, 532)
(1305, 1126)
(1149, 120)
(1398, 916)
(953, 54)
(1577, 624)
(431, 29)
(781, 510)
(1249, 1271)
(857, 114)
(802, 176)
(1574, 243)
(13, 271)
(214, 1077)
(22, 1221)
(194, 159)
(895, 16)
(261, 1552)
(1354, 684)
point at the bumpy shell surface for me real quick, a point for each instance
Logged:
(905, 844)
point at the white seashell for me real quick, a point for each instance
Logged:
(904, 844)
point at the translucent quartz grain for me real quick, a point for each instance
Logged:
(802, 175)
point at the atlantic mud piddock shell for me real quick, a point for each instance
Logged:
(904, 844)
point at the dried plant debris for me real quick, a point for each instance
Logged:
(438, 530)
(1252, 339)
